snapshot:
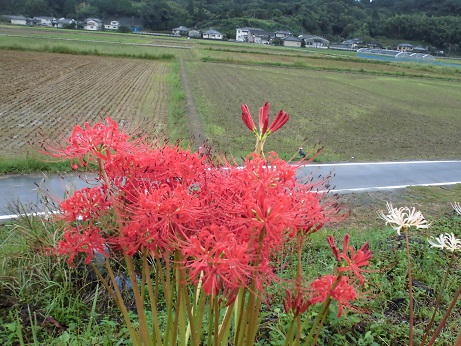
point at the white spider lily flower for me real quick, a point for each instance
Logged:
(446, 241)
(457, 207)
(403, 217)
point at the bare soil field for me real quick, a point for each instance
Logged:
(53, 92)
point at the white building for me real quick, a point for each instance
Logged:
(242, 34)
(114, 25)
(93, 24)
(213, 35)
(20, 20)
(45, 21)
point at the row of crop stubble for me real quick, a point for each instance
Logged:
(53, 92)
(353, 115)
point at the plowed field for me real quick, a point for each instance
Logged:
(52, 92)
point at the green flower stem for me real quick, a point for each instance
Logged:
(181, 299)
(117, 297)
(210, 324)
(299, 279)
(224, 329)
(143, 329)
(254, 299)
(320, 319)
(410, 286)
(438, 301)
(216, 320)
(240, 317)
(153, 297)
(289, 337)
(319, 329)
(445, 317)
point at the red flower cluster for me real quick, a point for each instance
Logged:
(226, 223)
(264, 128)
(337, 287)
(97, 142)
(355, 260)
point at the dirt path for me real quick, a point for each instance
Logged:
(197, 133)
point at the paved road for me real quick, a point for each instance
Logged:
(348, 177)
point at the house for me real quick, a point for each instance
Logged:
(195, 34)
(314, 41)
(213, 35)
(20, 20)
(241, 34)
(282, 34)
(352, 43)
(260, 36)
(93, 24)
(292, 41)
(419, 49)
(112, 25)
(181, 30)
(66, 23)
(375, 45)
(405, 47)
(45, 21)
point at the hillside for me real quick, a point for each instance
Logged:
(433, 23)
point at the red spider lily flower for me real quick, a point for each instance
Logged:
(343, 293)
(297, 305)
(217, 257)
(87, 241)
(97, 142)
(264, 118)
(85, 204)
(280, 120)
(247, 119)
(264, 130)
(354, 260)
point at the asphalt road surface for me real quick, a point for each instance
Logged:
(29, 190)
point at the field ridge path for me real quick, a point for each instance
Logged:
(197, 133)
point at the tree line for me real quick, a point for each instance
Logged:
(435, 23)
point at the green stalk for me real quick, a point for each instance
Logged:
(93, 309)
(299, 278)
(153, 297)
(117, 297)
(318, 319)
(224, 329)
(319, 329)
(216, 321)
(240, 318)
(254, 322)
(438, 301)
(168, 296)
(143, 329)
(201, 311)
(210, 318)
(180, 310)
(290, 333)
(410, 287)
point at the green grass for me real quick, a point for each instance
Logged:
(55, 304)
(19, 165)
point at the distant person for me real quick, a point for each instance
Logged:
(301, 152)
